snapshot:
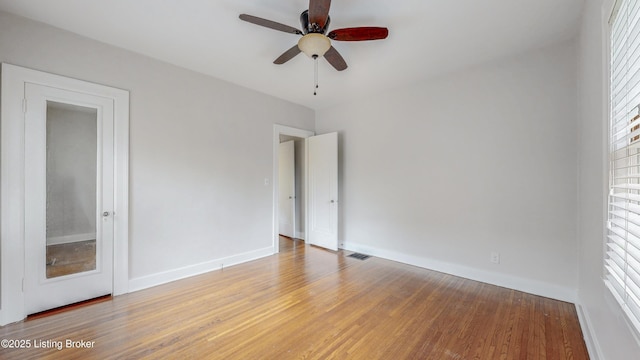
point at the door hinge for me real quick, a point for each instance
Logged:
(24, 106)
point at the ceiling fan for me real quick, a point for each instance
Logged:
(314, 42)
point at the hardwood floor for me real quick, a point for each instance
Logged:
(314, 304)
(71, 258)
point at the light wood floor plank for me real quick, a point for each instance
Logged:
(308, 303)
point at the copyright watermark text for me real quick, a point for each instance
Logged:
(46, 344)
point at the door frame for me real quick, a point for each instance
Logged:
(277, 131)
(12, 182)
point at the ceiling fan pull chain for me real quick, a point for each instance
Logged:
(315, 74)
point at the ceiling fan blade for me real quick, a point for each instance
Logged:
(287, 55)
(335, 59)
(319, 12)
(359, 34)
(270, 24)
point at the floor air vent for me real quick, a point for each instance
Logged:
(359, 256)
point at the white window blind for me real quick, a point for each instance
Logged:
(622, 260)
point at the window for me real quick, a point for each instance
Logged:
(622, 261)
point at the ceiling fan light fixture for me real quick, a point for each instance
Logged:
(314, 44)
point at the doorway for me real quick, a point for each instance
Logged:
(291, 185)
(319, 197)
(283, 134)
(64, 175)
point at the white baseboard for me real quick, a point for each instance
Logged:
(66, 239)
(300, 235)
(590, 339)
(490, 277)
(164, 277)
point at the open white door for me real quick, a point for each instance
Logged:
(323, 190)
(286, 194)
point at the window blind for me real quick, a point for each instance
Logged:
(622, 258)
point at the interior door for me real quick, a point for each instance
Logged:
(69, 197)
(323, 190)
(286, 191)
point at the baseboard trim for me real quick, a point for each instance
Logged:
(66, 239)
(164, 277)
(590, 339)
(490, 277)
(300, 235)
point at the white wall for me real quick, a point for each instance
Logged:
(608, 334)
(442, 173)
(200, 150)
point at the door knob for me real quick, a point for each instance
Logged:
(105, 214)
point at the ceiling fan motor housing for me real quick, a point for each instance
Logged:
(312, 28)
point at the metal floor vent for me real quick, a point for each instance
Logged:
(359, 256)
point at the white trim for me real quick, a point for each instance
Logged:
(11, 199)
(629, 317)
(490, 277)
(277, 131)
(615, 7)
(607, 9)
(121, 195)
(590, 338)
(164, 277)
(300, 235)
(12, 182)
(67, 239)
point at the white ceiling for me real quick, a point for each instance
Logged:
(426, 38)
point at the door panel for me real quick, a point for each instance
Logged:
(323, 190)
(286, 191)
(68, 197)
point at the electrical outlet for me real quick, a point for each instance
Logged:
(495, 257)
